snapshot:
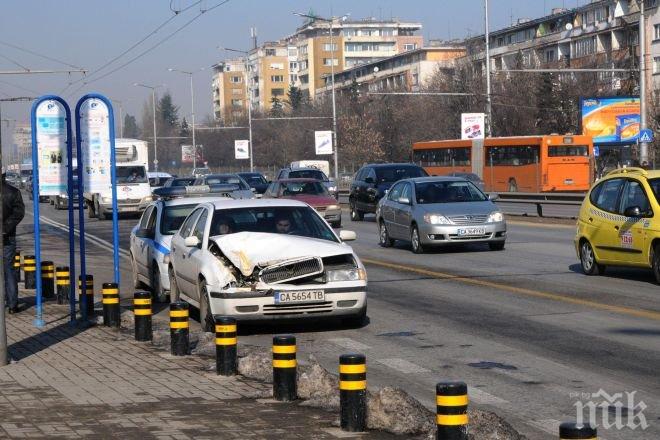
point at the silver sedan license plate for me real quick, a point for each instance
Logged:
(299, 296)
(472, 231)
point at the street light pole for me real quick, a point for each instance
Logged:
(643, 146)
(121, 119)
(153, 104)
(192, 110)
(489, 105)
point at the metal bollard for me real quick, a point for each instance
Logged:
(284, 368)
(353, 392)
(86, 296)
(142, 312)
(30, 271)
(179, 331)
(62, 284)
(111, 312)
(574, 431)
(17, 265)
(225, 345)
(48, 280)
(451, 410)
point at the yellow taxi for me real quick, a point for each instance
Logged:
(619, 222)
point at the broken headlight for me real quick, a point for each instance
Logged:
(353, 274)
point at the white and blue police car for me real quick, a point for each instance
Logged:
(151, 237)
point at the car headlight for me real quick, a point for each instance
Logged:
(353, 274)
(494, 217)
(147, 199)
(332, 189)
(333, 208)
(106, 199)
(436, 219)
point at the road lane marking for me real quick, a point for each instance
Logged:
(640, 313)
(402, 365)
(349, 343)
(483, 398)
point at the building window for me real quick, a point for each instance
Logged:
(237, 102)
(387, 32)
(656, 32)
(583, 47)
(293, 52)
(415, 79)
(302, 50)
(348, 32)
(293, 65)
(410, 46)
(277, 78)
(270, 52)
(277, 92)
(330, 61)
(293, 78)
(303, 65)
(656, 65)
(277, 66)
(236, 79)
(330, 47)
(550, 56)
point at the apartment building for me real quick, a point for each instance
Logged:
(229, 90)
(409, 71)
(268, 71)
(22, 141)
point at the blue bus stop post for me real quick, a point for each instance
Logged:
(70, 195)
(81, 215)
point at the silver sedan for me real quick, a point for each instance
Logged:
(432, 211)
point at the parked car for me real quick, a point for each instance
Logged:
(265, 259)
(478, 181)
(371, 183)
(179, 181)
(197, 172)
(433, 211)
(243, 189)
(28, 188)
(157, 179)
(62, 201)
(309, 173)
(257, 181)
(310, 191)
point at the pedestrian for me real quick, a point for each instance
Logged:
(13, 212)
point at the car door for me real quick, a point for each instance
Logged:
(368, 192)
(388, 208)
(403, 211)
(142, 245)
(192, 259)
(633, 236)
(148, 255)
(355, 185)
(180, 251)
(604, 221)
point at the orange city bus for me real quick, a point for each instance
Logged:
(524, 163)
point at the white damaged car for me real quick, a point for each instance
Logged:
(265, 259)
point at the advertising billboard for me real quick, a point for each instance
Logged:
(51, 132)
(187, 154)
(473, 125)
(323, 142)
(95, 142)
(612, 120)
(242, 149)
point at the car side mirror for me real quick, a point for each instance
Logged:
(144, 233)
(632, 211)
(492, 197)
(253, 189)
(404, 200)
(387, 191)
(369, 180)
(347, 235)
(191, 241)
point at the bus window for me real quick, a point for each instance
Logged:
(567, 150)
(443, 157)
(513, 155)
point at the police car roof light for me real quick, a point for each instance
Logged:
(195, 190)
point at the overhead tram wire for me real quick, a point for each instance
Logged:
(46, 57)
(142, 40)
(188, 23)
(14, 62)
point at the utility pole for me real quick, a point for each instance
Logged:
(121, 118)
(153, 103)
(192, 110)
(489, 106)
(643, 146)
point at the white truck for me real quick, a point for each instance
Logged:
(133, 190)
(322, 165)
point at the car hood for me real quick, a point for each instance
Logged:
(460, 208)
(313, 200)
(247, 250)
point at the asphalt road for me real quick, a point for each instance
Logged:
(527, 331)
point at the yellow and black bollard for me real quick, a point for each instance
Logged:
(574, 431)
(111, 312)
(225, 345)
(17, 265)
(451, 400)
(353, 392)
(62, 284)
(284, 368)
(86, 296)
(48, 280)
(30, 271)
(142, 312)
(179, 331)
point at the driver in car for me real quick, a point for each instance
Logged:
(283, 225)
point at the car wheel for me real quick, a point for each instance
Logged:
(356, 215)
(590, 265)
(205, 315)
(97, 211)
(136, 280)
(90, 210)
(496, 246)
(383, 236)
(159, 295)
(417, 246)
(656, 263)
(174, 288)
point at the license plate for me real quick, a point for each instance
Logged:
(471, 231)
(300, 296)
(126, 209)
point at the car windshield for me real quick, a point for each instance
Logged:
(131, 175)
(173, 217)
(291, 220)
(182, 182)
(307, 174)
(226, 179)
(394, 174)
(655, 187)
(255, 180)
(303, 188)
(447, 192)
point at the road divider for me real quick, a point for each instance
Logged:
(451, 400)
(353, 392)
(225, 345)
(111, 311)
(142, 313)
(62, 284)
(179, 329)
(575, 431)
(17, 265)
(86, 295)
(30, 271)
(284, 368)
(48, 279)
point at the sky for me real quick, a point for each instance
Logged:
(91, 33)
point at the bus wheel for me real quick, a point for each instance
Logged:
(513, 186)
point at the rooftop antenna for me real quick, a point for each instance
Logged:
(253, 35)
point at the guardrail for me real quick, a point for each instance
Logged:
(538, 199)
